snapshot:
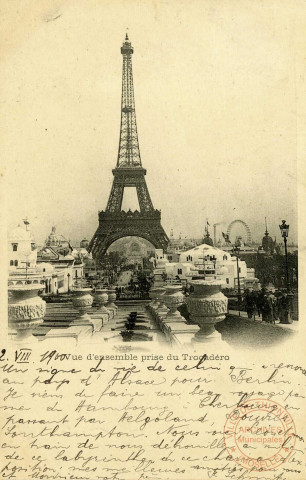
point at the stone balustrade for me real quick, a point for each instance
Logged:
(166, 315)
(206, 306)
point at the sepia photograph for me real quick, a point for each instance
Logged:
(182, 232)
(151, 216)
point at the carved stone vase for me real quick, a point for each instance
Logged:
(159, 272)
(82, 301)
(26, 310)
(101, 297)
(154, 295)
(162, 309)
(111, 299)
(173, 298)
(207, 305)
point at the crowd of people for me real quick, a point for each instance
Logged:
(267, 304)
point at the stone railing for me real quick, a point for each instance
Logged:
(206, 305)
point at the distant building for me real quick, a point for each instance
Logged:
(268, 244)
(58, 242)
(23, 267)
(207, 240)
(133, 249)
(49, 276)
(84, 243)
(211, 262)
(177, 245)
(173, 257)
(22, 253)
(62, 266)
(179, 270)
(66, 262)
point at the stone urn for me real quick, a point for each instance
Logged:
(111, 299)
(162, 309)
(159, 272)
(26, 309)
(154, 295)
(207, 305)
(101, 297)
(82, 300)
(173, 298)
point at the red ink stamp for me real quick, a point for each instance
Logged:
(259, 434)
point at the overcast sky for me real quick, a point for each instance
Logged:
(215, 92)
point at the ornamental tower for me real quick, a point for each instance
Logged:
(114, 223)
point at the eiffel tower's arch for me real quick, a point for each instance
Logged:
(246, 228)
(127, 224)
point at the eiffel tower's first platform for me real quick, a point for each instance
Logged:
(115, 223)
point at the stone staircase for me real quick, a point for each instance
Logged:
(60, 318)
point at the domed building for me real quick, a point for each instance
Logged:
(84, 243)
(66, 261)
(268, 244)
(134, 249)
(208, 240)
(58, 243)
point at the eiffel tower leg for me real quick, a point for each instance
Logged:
(101, 248)
(144, 199)
(116, 196)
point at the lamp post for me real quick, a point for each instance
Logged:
(204, 264)
(284, 228)
(214, 260)
(68, 276)
(236, 251)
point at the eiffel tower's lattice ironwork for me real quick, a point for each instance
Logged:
(114, 223)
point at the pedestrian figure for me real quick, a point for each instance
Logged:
(284, 308)
(277, 309)
(265, 308)
(255, 300)
(272, 307)
(249, 303)
(260, 302)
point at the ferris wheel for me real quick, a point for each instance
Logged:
(246, 228)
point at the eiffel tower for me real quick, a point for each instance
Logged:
(114, 223)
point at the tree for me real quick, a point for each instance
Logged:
(271, 269)
(143, 282)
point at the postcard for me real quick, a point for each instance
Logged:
(153, 242)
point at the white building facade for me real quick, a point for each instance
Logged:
(214, 263)
(22, 252)
(57, 272)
